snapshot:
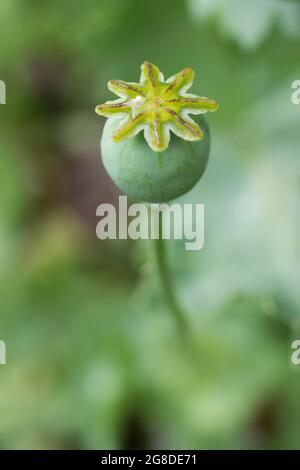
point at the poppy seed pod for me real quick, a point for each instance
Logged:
(145, 175)
(150, 165)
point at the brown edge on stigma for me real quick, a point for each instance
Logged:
(150, 73)
(176, 80)
(127, 86)
(129, 122)
(195, 132)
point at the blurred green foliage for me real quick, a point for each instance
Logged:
(93, 360)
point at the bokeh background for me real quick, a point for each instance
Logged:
(93, 360)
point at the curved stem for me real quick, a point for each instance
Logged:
(165, 279)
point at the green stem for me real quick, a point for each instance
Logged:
(165, 279)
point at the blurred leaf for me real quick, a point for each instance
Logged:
(248, 23)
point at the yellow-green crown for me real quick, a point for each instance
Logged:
(157, 107)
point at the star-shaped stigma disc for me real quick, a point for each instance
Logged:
(157, 107)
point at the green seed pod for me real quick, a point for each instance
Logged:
(154, 167)
(150, 176)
